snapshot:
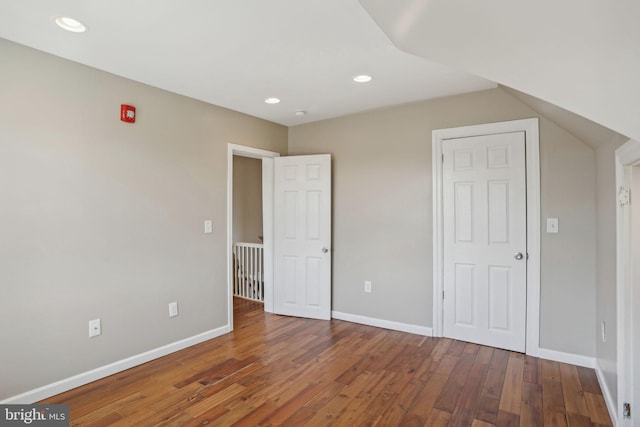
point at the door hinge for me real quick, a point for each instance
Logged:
(624, 196)
(626, 410)
(442, 157)
(442, 294)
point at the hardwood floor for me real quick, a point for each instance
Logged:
(275, 370)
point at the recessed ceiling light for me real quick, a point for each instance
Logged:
(70, 24)
(363, 78)
(300, 113)
(272, 100)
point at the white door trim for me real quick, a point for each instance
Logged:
(268, 184)
(627, 156)
(530, 127)
(267, 204)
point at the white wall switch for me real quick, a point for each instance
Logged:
(552, 225)
(173, 309)
(95, 328)
(208, 226)
(367, 286)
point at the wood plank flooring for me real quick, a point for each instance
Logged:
(275, 370)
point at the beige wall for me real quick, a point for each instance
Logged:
(382, 212)
(247, 199)
(102, 219)
(568, 258)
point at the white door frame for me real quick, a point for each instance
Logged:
(627, 157)
(267, 226)
(530, 127)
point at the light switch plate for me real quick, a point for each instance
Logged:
(208, 226)
(552, 225)
(173, 309)
(367, 286)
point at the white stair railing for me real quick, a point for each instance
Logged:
(248, 261)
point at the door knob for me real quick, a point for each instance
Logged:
(518, 256)
(324, 250)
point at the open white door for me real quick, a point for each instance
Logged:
(302, 236)
(485, 240)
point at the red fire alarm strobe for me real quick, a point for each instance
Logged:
(128, 113)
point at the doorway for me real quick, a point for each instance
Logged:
(248, 248)
(529, 128)
(296, 203)
(267, 221)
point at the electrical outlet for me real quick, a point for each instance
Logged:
(604, 331)
(367, 286)
(95, 328)
(173, 309)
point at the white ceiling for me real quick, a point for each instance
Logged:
(237, 53)
(583, 56)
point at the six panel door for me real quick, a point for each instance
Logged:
(302, 236)
(484, 194)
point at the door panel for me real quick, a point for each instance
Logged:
(464, 286)
(302, 236)
(463, 211)
(499, 298)
(289, 278)
(498, 212)
(484, 194)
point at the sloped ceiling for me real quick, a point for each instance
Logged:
(587, 131)
(583, 56)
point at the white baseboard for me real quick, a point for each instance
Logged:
(570, 358)
(112, 368)
(608, 398)
(386, 324)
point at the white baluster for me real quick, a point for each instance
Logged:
(248, 262)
